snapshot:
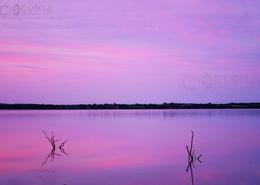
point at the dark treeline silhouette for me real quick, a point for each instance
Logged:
(130, 106)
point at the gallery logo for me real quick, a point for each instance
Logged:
(18, 10)
(209, 82)
(193, 82)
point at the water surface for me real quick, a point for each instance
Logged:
(137, 147)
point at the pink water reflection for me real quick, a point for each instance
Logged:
(130, 147)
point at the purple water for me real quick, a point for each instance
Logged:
(137, 147)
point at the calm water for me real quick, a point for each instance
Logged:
(130, 147)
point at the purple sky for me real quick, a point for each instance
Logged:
(84, 51)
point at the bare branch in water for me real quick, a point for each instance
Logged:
(61, 147)
(51, 139)
(199, 158)
(53, 142)
(63, 143)
(63, 151)
(191, 144)
(192, 158)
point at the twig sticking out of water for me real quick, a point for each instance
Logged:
(63, 143)
(61, 147)
(51, 139)
(53, 142)
(192, 158)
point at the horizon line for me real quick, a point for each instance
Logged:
(115, 106)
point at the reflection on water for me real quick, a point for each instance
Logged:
(54, 146)
(192, 158)
(137, 147)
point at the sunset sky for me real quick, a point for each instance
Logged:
(129, 51)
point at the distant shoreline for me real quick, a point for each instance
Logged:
(115, 106)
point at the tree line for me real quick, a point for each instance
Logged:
(4, 106)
